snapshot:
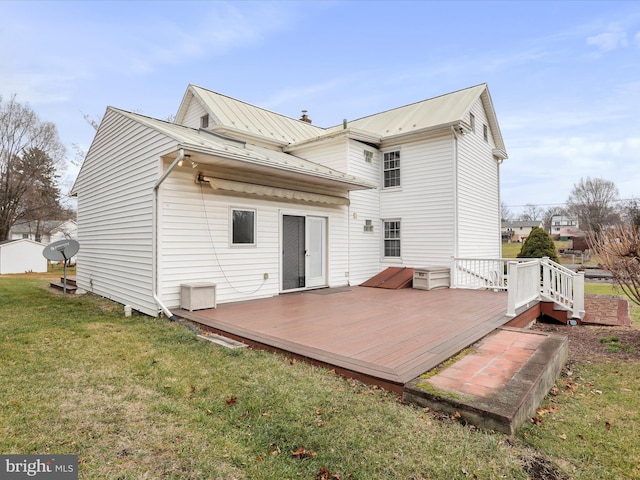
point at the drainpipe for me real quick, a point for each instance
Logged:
(156, 209)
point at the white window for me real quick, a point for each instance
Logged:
(472, 122)
(368, 226)
(485, 133)
(368, 156)
(392, 169)
(392, 238)
(243, 227)
(204, 121)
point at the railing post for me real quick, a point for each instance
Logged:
(578, 296)
(512, 288)
(546, 276)
(453, 273)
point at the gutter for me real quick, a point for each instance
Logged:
(156, 188)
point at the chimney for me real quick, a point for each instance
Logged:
(305, 117)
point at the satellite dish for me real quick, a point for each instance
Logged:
(61, 251)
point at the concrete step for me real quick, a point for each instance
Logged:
(499, 383)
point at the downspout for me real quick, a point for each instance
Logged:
(155, 260)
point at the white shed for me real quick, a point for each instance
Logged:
(22, 256)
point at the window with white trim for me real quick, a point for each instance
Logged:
(204, 121)
(368, 156)
(391, 238)
(243, 227)
(391, 169)
(485, 133)
(472, 122)
(368, 226)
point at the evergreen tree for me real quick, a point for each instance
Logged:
(538, 244)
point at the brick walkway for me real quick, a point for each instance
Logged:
(492, 365)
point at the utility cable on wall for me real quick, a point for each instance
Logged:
(215, 253)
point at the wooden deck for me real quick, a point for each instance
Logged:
(391, 336)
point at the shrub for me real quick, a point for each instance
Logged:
(537, 245)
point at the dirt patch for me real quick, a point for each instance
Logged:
(587, 342)
(539, 468)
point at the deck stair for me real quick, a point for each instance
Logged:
(558, 313)
(71, 284)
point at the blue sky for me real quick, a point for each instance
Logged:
(564, 76)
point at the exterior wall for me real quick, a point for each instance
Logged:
(22, 256)
(364, 247)
(424, 203)
(478, 193)
(332, 153)
(193, 114)
(195, 241)
(115, 212)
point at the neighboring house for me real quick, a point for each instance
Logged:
(564, 226)
(44, 231)
(260, 203)
(22, 256)
(518, 230)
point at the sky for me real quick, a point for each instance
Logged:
(564, 77)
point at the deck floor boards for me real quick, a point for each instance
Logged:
(394, 335)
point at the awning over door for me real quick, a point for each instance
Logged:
(273, 192)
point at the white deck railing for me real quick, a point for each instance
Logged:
(526, 280)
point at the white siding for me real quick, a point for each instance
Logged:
(478, 193)
(364, 261)
(424, 202)
(195, 245)
(115, 206)
(193, 114)
(22, 256)
(333, 154)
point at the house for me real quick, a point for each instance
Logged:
(44, 231)
(259, 203)
(22, 256)
(518, 230)
(565, 227)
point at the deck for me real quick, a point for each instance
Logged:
(382, 336)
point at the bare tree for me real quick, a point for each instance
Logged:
(505, 214)
(532, 213)
(619, 250)
(630, 212)
(30, 151)
(592, 201)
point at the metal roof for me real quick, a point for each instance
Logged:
(241, 116)
(234, 116)
(211, 144)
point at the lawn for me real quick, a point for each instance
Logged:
(139, 397)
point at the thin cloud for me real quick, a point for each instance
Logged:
(608, 41)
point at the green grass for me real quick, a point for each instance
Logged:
(139, 397)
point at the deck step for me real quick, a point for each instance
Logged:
(471, 388)
(555, 311)
(71, 288)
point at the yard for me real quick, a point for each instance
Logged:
(142, 398)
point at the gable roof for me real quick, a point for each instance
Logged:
(229, 115)
(210, 144)
(232, 116)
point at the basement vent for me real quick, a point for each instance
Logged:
(368, 226)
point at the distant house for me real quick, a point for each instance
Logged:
(44, 231)
(22, 256)
(565, 227)
(518, 230)
(259, 203)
